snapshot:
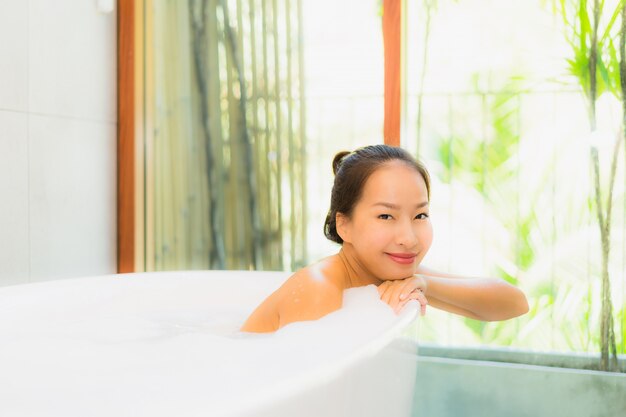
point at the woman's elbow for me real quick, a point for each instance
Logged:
(520, 303)
(523, 305)
(516, 305)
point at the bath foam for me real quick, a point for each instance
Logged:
(166, 344)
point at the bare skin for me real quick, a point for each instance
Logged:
(305, 296)
(309, 294)
(384, 241)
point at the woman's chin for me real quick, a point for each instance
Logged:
(398, 275)
(402, 271)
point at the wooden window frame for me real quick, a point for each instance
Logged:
(392, 40)
(130, 116)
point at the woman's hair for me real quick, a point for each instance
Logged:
(352, 169)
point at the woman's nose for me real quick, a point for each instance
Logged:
(407, 236)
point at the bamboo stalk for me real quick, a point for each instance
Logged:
(301, 78)
(249, 189)
(170, 153)
(278, 129)
(273, 257)
(150, 171)
(169, 215)
(622, 74)
(606, 325)
(420, 101)
(196, 132)
(195, 224)
(180, 165)
(217, 124)
(229, 119)
(258, 149)
(159, 229)
(187, 165)
(200, 25)
(237, 49)
(290, 140)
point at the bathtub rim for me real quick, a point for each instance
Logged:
(293, 386)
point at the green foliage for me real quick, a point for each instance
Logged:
(502, 273)
(477, 326)
(526, 253)
(473, 158)
(579, 34)
(489, 166)
(554, 244)
(600, 57)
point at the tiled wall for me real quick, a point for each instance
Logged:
(57, 140)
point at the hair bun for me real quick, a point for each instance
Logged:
(337, 160)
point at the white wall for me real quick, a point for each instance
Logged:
(57, 140)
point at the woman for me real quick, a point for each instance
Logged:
(379, 216)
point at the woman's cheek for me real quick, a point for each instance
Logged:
(426, 235)
(379, 236)
(370, 230)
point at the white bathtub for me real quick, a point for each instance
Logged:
(167, 344)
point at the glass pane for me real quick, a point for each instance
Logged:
(226, 135)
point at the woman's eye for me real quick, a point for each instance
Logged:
(422, 216)
(384, 216)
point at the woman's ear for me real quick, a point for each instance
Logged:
(342, 223)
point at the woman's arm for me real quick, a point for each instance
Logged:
(486, 299)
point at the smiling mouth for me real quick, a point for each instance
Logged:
(402, 258)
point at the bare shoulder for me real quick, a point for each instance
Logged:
(308, 295)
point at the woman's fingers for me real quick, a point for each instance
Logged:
(412, 284)
(383, 290)
(398, 292)
(416, 295)
(407, 289)
(383, 287)
(419, 296)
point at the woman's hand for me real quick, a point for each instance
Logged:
(397, 293)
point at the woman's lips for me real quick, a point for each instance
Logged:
(402, 258)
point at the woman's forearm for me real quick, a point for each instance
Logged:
(485, 299)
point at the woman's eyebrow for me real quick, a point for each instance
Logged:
(396, 207)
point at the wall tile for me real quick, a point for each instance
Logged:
(13, 55)
(13, 198)
(72, 198)
(72, 60)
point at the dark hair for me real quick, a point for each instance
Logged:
(352, 169)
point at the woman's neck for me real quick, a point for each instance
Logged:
(356, 273)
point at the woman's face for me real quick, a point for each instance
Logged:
(389, 229)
